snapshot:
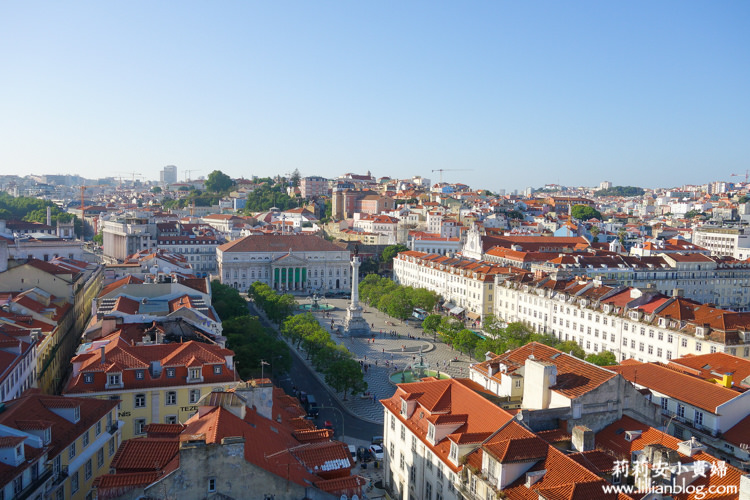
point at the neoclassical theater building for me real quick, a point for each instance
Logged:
(284, 262)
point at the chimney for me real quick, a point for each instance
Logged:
(49, 216)
(582, 438)
(104, 358)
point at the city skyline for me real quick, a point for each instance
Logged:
(502, 95)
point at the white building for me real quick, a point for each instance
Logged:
(284, 262)
(632, 323)
(465, 284)
(723, 241)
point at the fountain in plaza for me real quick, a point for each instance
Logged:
(417, 372)
(315, 303)
(354, 324)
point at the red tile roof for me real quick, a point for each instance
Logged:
(279, 243)
(682, 387)
(145, 454)
(612, 438)
(439, 396)
(714, 365)
(575, 377)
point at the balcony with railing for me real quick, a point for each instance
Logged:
(691, 424)
(37, 485)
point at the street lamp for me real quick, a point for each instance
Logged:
(341, 414)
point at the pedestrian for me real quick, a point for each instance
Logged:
(376, 362)
(383, 350)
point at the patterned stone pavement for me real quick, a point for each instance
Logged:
(387, 353)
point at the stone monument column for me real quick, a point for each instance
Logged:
(354, 323)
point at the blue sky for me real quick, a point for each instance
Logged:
(515, 94)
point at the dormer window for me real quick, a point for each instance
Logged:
(217, 369)
(431, 433)
(19, 451)
(76, 414)
(113, 379)
(88, 378)
(140, 374)
(195, 373)
(170, 372)
(403, 408)
(454, 453)
(47, 435)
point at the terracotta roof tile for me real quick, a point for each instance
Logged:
(687, 388)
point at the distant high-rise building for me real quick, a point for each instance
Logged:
(605, 185)
(168, 175)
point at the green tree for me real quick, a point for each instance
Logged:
(344, 375)
(98, 239)
(465, 341)
(431, 323)
(156, 190)
(295, 178)
(227, 301)
(585, 212)
(218, 182)
(571, 347)
(448, 329)
(391, 251)
(604, 358)
(423, 298)
(327, 211)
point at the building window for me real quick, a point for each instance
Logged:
(85, 439)
(698, 346)
(698, 417)
(195, 395)
(74, 482)
(114, 379)
(170, 419)
(72, 450)
(98, 428)
(100, 458)
(138, 425)
(664, 403)
(112, 446)
(171, 398)
(401, 462)
(88, 378)
(87, 470)
(211, 485)
(217, 369)
(195, 373)
(403, 433)
(170, 372)
(139, 374)
(140, 400)
(681, 410)
(76, 414)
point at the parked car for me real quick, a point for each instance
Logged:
(303, 398)
(377, 440)
(377, 451)
(312, 406)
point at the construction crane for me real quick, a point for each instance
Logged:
(746, 175)
(188, 172)
(441, 170)
(133, 174)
